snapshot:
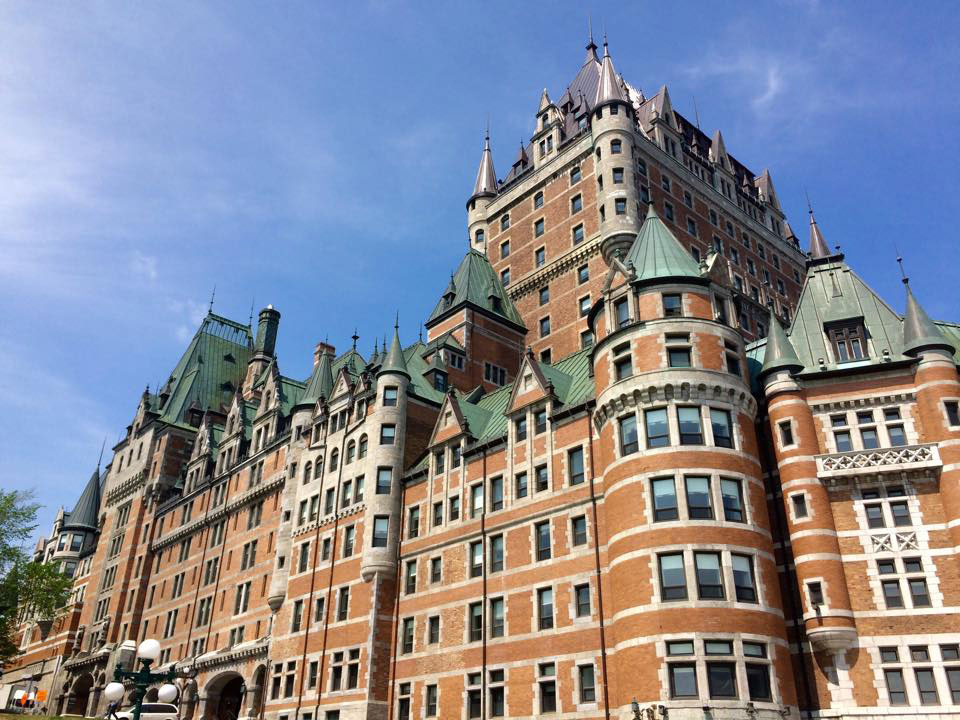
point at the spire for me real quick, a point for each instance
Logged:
(521, 156)
(779, 353)
(486, 184)
(591, 45)
(818, 246)
(86, 513)
(718, 151)
(320, 384)
(608, 89)
(375, 358)
(394, 362)
(919, 331)
(657, 255)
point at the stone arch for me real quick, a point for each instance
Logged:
(255, 691)
(223, 696)
(79, 694)
(188, 699)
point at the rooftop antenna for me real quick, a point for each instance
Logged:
(903, 274)
(354, 337)
(809, 206)
(696, 112)
(212, 296)
(420, 334)
(396, 322)
(253, 300)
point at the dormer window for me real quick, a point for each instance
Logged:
(848, 341)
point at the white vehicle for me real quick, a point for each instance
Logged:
(150, 711)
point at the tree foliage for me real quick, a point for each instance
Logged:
(35, 588)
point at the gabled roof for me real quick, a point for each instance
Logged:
(86, 513)
(210, 370)
(476, 283)
(656, 254)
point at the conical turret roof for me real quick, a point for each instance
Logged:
(320, 383)
(395, 362)
(486, 183)
(657, 255)
(86, 513)
(608, 89)
(818, 246)
(779, 353)
(919, 331)
(476, 282)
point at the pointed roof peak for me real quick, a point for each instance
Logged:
(395, 362)
(477, 283)
(818, 245)
(320, 383)
(919, 331)
(608, 88)
(486, 183)
(591, 45)
(779, 353)
(86, 513)
(657, 255)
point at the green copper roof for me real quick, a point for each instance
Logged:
(779, 354)
(395, 361)
(919, 331)
(211, 369)
(86, 513)
(657, 255)
(476, 282)
(320, 382)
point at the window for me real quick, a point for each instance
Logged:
(578, 234)
(410, 577)
(548, 687)
(475, 625)
(901, 514)
(622, 363)
(381, 524)
(504, 249)
(407, 637)
(658, 431)
(538, 228)
(672, 305)
(621, 312)
(496, 494)
(709, 577)
(545, 326)
(297, 616)
(438, 458)
(918, 592)
(505, 221)
(848, 342)
(343, 603)
(953, 412)
(538, 200)
(578, 529)
(476, 500)
(542, 534)
(731, 493)
(496, 618)
(543, 482)
(815, 592)
(799, 501)
(476, 559)
(413, 523)
(496, 553)
(403, 702)
(544, 295)
(618, 175)
(384, 480)
(620, 206)
(688, 420)
(678, 356)
(664, 499)
(540, 421)
(786, 432)
(699, 506)
(582, 600)
(576, 205)
(588, 690)
(436, 568)
(505, 277)
(927, 686)
(673, 581)
(388, 434)
(895, 686)
(743, 579)
(575, 175)
(545, 608)
(892, 594)
(454, 512)
(433, 629)
(683, 679)
(722, 428)
(722, 679)
(575, 466)
(494, 374)
(758, 681)
(628, 435)
(583, 274)
(584, 305)
(875, 517)
(616, 147)
(668, 211)
(520, 486)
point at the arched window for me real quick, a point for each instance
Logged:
(362, 451)
(351, 451)
(318, 471)
(334, 456)
(307, 470)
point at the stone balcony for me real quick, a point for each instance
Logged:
(900, 462)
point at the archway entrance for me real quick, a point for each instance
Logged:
(231, 699)
(80, 695)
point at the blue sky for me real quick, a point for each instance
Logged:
(318, 157)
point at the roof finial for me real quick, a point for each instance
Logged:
(396, 321)
(903, 275)
(102, 446)
(253, 300)
(420, 334)
(696, 113)
(212, 296)
(590, 28)
(354, 337)
(809, 206)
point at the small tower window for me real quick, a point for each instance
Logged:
(618, 175)
(620, 206)
(479, 237)
(848, 341)
(616, 147)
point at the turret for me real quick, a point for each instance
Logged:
(484, 190)
(612, 130)
(920, 333)
(382, 514)
(264, 346)
(819, 250)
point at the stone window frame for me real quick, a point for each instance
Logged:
(934, 644)
(699, 659)
(577, 582)
(928, 574)
(725, 551)
(884, 499)
(582, 660)
(571, 546)
(944, 414)
(809, 611)
(791, 510)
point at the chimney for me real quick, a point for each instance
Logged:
(320, 349)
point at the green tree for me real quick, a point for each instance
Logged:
(34, 587)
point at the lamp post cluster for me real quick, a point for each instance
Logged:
(147, 654)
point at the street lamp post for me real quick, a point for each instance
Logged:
(147, 653)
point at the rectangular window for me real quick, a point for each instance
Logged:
(575, 466)
(588, 690)
(582, 600)
(438, 513)
(683, 680)
(343, 604)
(520, 486)
(691, 431)
(799, 505)
(407, 637)
(895, 686)
(545, 326)
(901, 514)
(388, 434)
(699, 506)
(545, 608)
(578, 527)
(953, 412)
(413, 523)
(538, 228)
(410, 577)
(621, 312)
(709, 575)
(743, 579)
(926, 686)
(678, 357)
(815, 591)
(384, 480)
(389, 396)
(918, 592)
(433, 629)
(672, 305)
(758, 682)
(548, 687)
(475, 626)
(722, 679)
(875, 517)
(786, 433)
(454, 513)
(722, 428)
(542, 534)
(658, 430)
(543, 481)
(629, 442)
(520, 425)
(380, 527)
(892, 594)
(578, 235)
(576, 204)
(431, 701)
(436, 569)
(496, 618)
(476, 500)
(496, 553)
(731, 493)
(673, 580)
(540, 421)
(664, 493)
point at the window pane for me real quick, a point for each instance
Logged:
(730, 490)
(683, 680)
(698, 498)
(628, 435)
(658, 431)
(722, 433)
(895, 687)
(688, 419)
(664, 499)
(709, 577)
(673, 582)
(758, 681)
(722, 679)
(743, 578)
